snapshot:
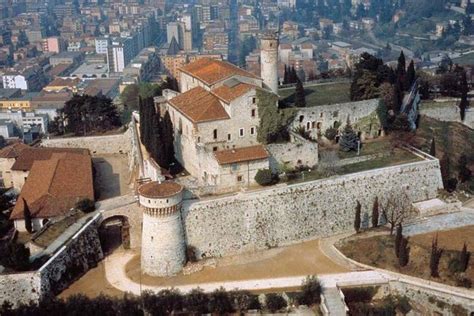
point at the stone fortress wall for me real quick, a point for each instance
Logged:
(288, 214)
(449, 113)
(320, 118)
(79, 254)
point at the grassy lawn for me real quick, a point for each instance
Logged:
(369, 148)
(467, 59)
(320, 95)
(398, 157)
(379, 251)
(432, 104)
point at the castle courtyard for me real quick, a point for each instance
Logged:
(112, 175)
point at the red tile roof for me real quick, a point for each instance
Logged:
(13, 151)
(228, 94)
(199, 105)
(159, 190)
(60, 82)
(29, 155)
(211, 71)
(257, 152)
(54, 186)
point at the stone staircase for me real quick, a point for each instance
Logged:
(334, 302)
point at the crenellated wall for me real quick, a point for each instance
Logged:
(288, 214)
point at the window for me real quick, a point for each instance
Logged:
(239, 178)
(234, 167)
(308, 125)
(301, 118)
(252, 131)
(241, 132)
(214, 133)
(214, 148)
(254, 100)
(321, 114)
(318, 126)
(253, 112)
(313, 124)
(229, 137)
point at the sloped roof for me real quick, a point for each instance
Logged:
(228, 93)
(60, 82)
(257, 152)
(29, 155)
(13, 151)
(211, 71)
(54, 186)
(199, 105)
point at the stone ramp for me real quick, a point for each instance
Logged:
(334, 302)
(440, 222)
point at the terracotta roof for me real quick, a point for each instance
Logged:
(211, 71)
(13, 151)
(256, 152)
(60, 82)
(159, 190)
(29, 155)
(230, 93)
(54, 186)
(199, 105)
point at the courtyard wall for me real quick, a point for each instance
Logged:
(449, 113)
(288, 214)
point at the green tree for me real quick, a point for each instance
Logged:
(264, 177)
(220, 302)
(274, 302)
(464, 171)
(86, 205)
(273, 122)
(129, 96)
(357, 220)
(411, 75)
(433, 147)
(196, 301)
(401, 69)
(398, 238)
(435, 257)
(375, 212)
(404, 252)
(27, 217)
(310, 292)
(300, 98)
(464, 104)
(15, 256)
(330, 133)
(349, 140)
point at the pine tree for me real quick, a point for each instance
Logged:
(410, 76)
(300, 98)
(27, 216)
(357, 219)
(433, 147)
(349, 140)
(401, 66)
(398, 238)
(375, 212)
(435, 257)
(464, 257)
(404, 252)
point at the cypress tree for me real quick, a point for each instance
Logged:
(464, 257)
(398, 239)
(401, 66)
(375, 212)
(411, 75)
(433, 147)
(285, 75)
(300, 98)
(435, 257)
(357, 219)
(404, 252)
(27, 216)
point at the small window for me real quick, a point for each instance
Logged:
(313, 124)
(239, 178)
(321, 114)
(301, 118)
(214, 148)
(318, 126)
(234, 167)
(252, 131)
(241, 132)
(254, 100)
(214, 134)
(308, 125)
(229, 137)
(253, 112)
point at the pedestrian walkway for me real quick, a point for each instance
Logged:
(334, 302)
(440, 222)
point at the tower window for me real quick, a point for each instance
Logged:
(241, 132)
(229, 137)
(215, 134)
(239, 178)
(252, 130)
(254, 100)
(253, 113)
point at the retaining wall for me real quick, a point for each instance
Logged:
(79, 254)
(449, 113)
(289, 214)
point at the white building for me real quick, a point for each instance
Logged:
(101, 45)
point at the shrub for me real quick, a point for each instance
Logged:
(86, 205)
(455, 266)
(360, 295)
(464, 282)
(220, 302)
(244, 300)
(197, 301)
(331, 133)
(15, 256)
(311, 292)
(264, 177)
(274, 302)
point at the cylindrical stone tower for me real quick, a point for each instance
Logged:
(269, 60)
(163, 244)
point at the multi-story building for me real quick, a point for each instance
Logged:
(53, 45)
(175, 30)
(120, 53)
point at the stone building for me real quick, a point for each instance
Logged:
(163, 245)
(216, 120)
(269, 61)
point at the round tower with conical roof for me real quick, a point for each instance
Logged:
(163, 245)
(269, 60)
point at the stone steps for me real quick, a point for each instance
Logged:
(334, 302)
